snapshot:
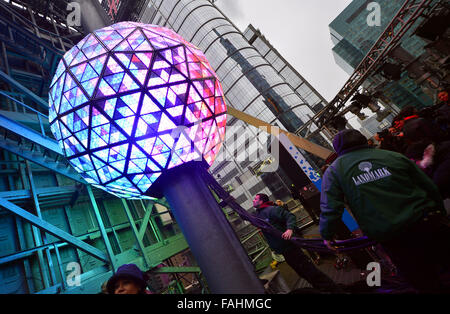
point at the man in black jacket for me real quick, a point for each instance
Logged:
(285, 222)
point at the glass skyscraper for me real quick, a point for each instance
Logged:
(250, 83)
(353, 38)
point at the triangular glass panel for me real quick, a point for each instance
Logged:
(191, 57)
(157, 78)
(148, 106)
(219, 106)
(167, 139)
(136, 153)
(128, 84)
(112, 67)
(189, 116)
(91, 176)
(166, 124)
(72, 146)
(135, 39)
(180, 90)
(167, 54)
(70, 55)
(174, 161)
(133, 168)
(132, 101)
(144, 184)
(116, 135)
(78, 70)
(94, 49)
(108, 106)
(152, 166)
(124, 58)
(110, 38)
(82, 136)
(103, 131)
(86, 163)
(176, 76)
(161, 159)
(56, 131)
(98, 64)
(104, 89)
(115, 80)
(123, 46)
(208, 88)
(142, 58)
(104, 174)
(137, 63)
(160, 95)
(160, 63)
(114, 173)
(182, 68)
(97, 141)
(64, 131)
(160, 147)
(102, 154)
(119, 165)
(158, 43)
(89, 86)
(65, 105)
(117, 153)
(137, 178)
(141, 128)
(153, 177)
(178, 55)
(176, 112)
(69, 84)
(193, 95)
(144, 46)
(59, 70)
(125, 31)
(80, 57)
(140, 75)
(141, 163)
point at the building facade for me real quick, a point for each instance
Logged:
(353, 37)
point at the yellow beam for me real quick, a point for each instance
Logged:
(298, 141)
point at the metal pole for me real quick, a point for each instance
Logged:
(217, 250)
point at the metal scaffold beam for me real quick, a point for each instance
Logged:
(51, 229)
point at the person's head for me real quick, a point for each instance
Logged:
(279, 202)
(348, 140)
(260, 199)
(128, 279)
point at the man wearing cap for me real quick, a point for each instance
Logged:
(394, 203)
(128, 279)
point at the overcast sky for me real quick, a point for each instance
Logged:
(298, 29)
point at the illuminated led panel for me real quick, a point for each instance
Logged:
(131, 101)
